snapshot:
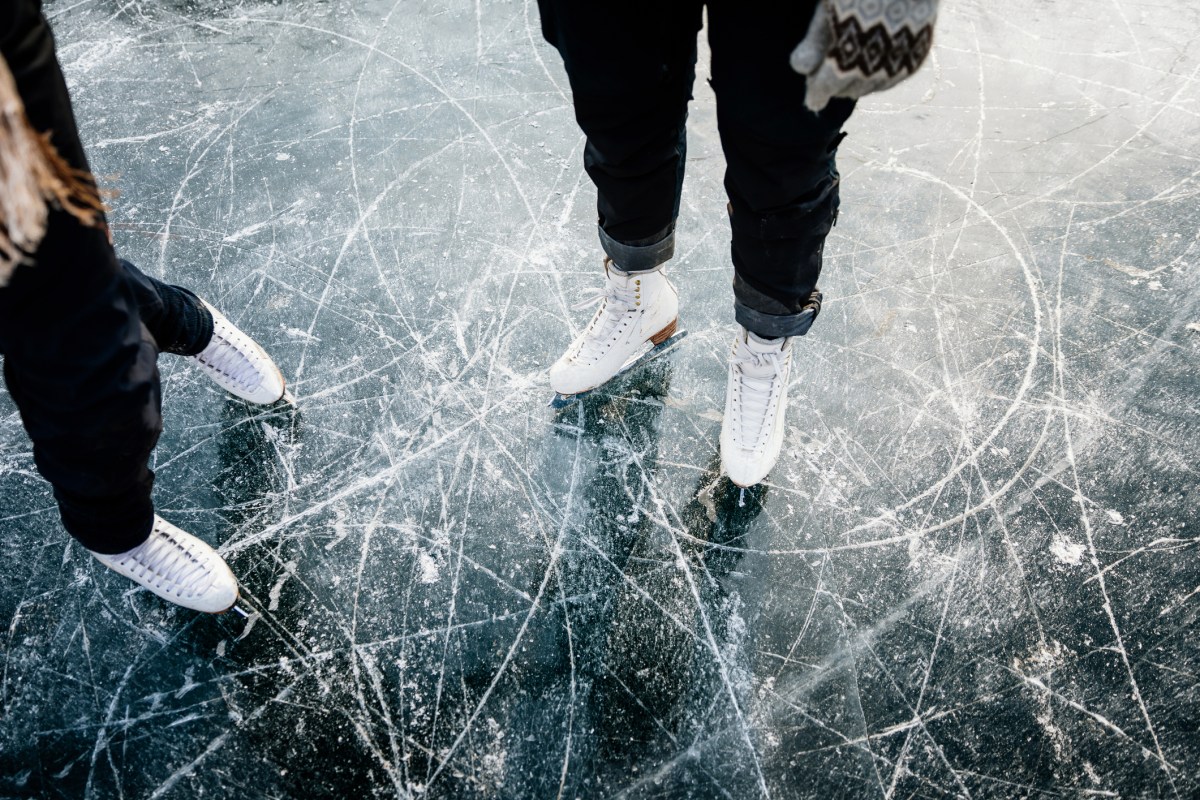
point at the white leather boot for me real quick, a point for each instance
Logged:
(755, 405)
(179, 568)
(637, 312)
(238, 364)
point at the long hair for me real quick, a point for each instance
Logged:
(33, 179)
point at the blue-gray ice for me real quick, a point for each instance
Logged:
(973, 573)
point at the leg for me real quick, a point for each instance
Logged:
(78, 361)
(781, 179)
(783, 198)
(81, 365)
(631, 67)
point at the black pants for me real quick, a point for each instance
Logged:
(632, 65)
(80, 332)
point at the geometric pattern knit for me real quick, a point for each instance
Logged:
(881, 37)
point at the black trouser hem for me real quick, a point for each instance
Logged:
(646, 255)
(773, 326)
(107, 525)
(175, 316)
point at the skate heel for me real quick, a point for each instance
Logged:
(665, 333)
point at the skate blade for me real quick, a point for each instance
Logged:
(244, 612)
(638, 359)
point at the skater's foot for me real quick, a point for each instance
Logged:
(238, 364)
(179, 568)
(637, 312)
(755, 403)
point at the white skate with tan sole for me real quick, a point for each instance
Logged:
(638, 320)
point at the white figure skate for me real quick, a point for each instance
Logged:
(179, 568)
(637, 320)
(238, 364)
(755, 406)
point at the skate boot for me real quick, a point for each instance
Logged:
(637, 312)
(755, 403)
(179, 568)
(238, 364)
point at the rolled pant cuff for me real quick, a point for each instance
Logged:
(644, 256)
(773, 326)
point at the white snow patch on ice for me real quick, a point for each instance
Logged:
(249, 230)
(1115, 517)
(1066, 551)
(429, 568)
(289, 569)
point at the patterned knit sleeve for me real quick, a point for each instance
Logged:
(854, 47)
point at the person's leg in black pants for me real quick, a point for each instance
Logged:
(77, 359)
(80, 334)
(781, 177)
(631, 66)
(782, 184)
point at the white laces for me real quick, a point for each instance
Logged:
(617, 300)
(168, 564)
(758, 377)
(223, 355)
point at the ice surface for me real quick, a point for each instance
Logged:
(973, 572)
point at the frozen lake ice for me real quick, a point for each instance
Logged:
(973, 572)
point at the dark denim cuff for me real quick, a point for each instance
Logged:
(642, 256)
(772, 326)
